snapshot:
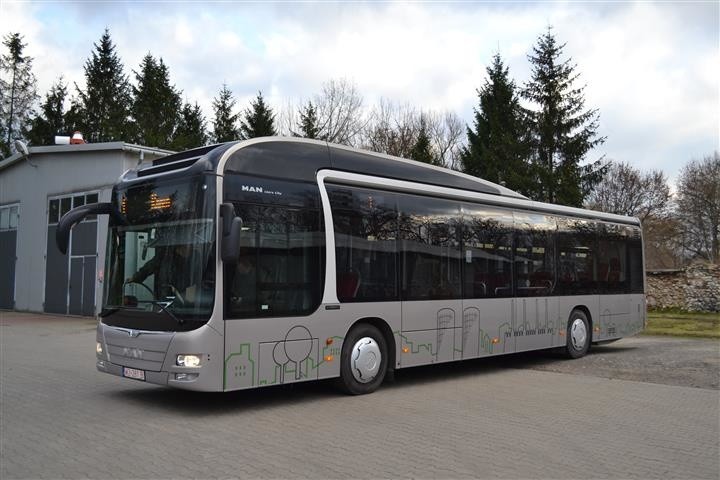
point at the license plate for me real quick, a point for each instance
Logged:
(134, 373)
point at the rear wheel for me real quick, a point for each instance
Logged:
(578, 335)
(363, 361)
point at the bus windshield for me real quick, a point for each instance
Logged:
(161, 264)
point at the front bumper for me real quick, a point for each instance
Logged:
(158, 378)
(155, 354)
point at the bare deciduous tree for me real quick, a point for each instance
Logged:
(287, 118)
(446, 134)
(698, 201)
(340, 114)
(663, 242)
(392, 129)
(626, 191)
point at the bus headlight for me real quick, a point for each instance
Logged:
(188, 360)
(98, 348)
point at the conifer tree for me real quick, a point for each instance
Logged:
(497, 149)
(156, 104)
(308, 122)
(562, 131)
(51, 120)
(191, 129)
(74, 117)
(18, 92)
(225, 122)
(105, 104)
(422, 149)
(258, 121)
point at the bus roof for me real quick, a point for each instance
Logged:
(302, 159)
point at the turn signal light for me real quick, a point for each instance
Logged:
(329, 358)
(405, 349)
(495, 340)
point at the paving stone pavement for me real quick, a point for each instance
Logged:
(60, 418)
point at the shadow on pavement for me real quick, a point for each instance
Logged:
(198, 404)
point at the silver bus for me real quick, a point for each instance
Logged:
(279, 260)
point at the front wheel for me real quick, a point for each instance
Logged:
(363, 361)
(578, 335)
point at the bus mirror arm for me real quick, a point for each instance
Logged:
(76, 215)
(232, 226)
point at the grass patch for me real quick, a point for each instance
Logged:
(683, 324)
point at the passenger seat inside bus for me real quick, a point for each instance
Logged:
(348, 285)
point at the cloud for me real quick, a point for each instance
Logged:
(651, 69)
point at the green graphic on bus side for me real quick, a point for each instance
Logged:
(486, 343)
(240, 370)
(305, 367)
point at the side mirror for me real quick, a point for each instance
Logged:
(232, 226)
(76, 215)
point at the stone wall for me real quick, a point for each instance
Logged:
(695, 288)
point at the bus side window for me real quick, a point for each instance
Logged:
(612, 260)
(365, 223)
(279, 271)
(430, 235)
(635, 261)
(487, 245)
(534, 254)
(576, 248)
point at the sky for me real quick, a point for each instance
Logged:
(651, 69)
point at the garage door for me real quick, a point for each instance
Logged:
(9, 215)
(70, 279)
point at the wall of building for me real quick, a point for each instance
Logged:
(695, 288)
(56, 171)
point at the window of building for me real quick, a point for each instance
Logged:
(59, 206)
(9, 217)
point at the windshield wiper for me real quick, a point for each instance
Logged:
(107, 311)
(164, 307)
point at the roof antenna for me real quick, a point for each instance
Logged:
(22, 148)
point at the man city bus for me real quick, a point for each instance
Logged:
(281, 260)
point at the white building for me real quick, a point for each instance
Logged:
(35, 191)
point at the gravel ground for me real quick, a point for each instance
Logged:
(666, 360)
(687, 362)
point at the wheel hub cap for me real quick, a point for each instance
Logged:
(365, 360)
(578, 334)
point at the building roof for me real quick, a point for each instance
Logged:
(87, 147)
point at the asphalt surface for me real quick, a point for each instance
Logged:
(644, 407)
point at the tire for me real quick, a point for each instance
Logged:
(361, 371)
(579, 335)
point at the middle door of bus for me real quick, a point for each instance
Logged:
(430, 251)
